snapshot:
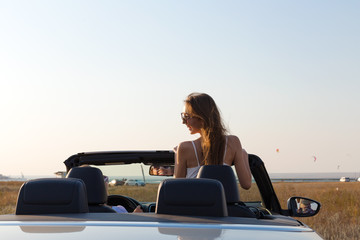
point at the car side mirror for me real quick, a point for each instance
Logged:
(303, 207)
(161, 170)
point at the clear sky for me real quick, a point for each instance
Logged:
(88, 75)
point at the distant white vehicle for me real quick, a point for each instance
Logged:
(358, 179)
(344, 179)
(117, 182)
(134, 182)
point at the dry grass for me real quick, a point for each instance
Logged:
(339, 217)
(142, 194)
(250, 195)
(8, 196)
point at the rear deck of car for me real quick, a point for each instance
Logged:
(273, 220)
(138, 226)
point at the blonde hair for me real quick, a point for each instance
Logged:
(213, 131)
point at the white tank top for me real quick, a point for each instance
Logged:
(192, 172)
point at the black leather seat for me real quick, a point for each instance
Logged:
(196, 197)
(226, 176)
(95, 186)
(52, 196)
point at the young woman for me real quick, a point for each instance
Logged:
(214, 147)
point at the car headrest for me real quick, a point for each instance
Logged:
(94, 182)
(52, 195)
(197, 197)
(224, 174)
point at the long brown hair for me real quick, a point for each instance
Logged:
(213, 131)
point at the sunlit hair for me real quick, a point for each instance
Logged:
(213, 131)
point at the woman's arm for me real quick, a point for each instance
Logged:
(180, 161)
(241, 162)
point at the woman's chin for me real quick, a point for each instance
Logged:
(193, 132)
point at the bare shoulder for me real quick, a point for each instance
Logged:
(233, 140)
(184, 146)
(233, 147)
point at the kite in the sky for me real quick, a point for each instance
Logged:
(277, 150)
(314, 158)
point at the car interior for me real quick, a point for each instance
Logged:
(95, 186)
(52, 196)
(193, 197)
(64, 199)
(212, 197)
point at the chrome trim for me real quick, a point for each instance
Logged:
(158, 224)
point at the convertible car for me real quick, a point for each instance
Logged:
(211, 206)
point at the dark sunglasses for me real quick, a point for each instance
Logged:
(186, 116)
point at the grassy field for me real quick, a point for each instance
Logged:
(8, 196)
(339, 217)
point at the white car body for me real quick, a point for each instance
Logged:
(34, 221)
(145, 230)
(344, 179)
(134, 182)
